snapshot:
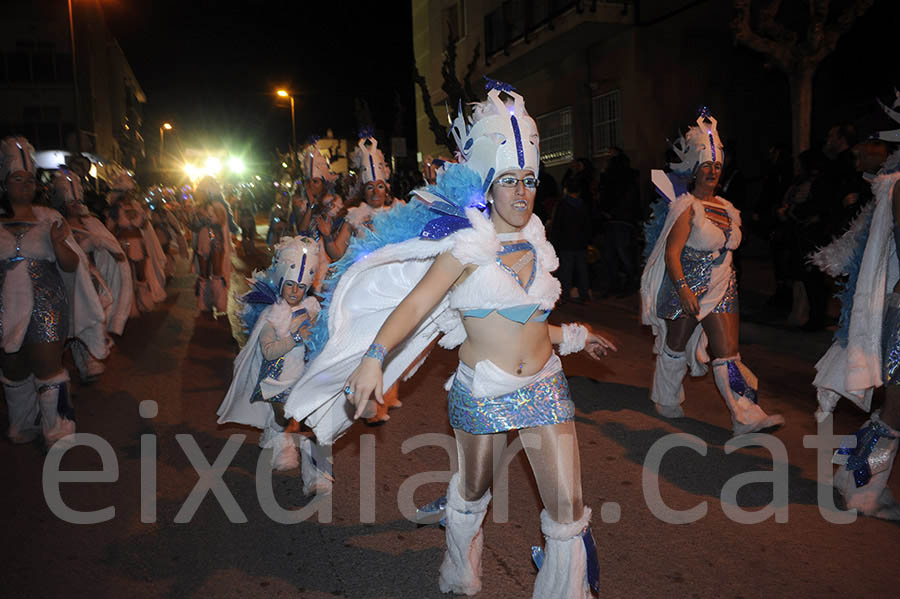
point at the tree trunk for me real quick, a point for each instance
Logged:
(801, 85)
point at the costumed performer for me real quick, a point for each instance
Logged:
(46, 296)
(689, 279)
(278, 313)
(866, 351)
(467, 258)
(212, 247)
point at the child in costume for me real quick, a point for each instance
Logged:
(866, 351)
(468, 259)
(689, 280)
(278, 313)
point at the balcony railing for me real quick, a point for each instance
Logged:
(519, 19)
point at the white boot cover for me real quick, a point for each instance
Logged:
(668, 376)
(284, 452)
(461, 568)
(219, 294)
(738, 387)
(21, 401)
(89, 367)
(563, 573)
(57, 414)
(862, 479)
(315, 468)
(144, 297)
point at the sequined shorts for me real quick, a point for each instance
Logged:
(543, 402)
(697, 266)
(890, 340)
(49, 320)
(270, 369)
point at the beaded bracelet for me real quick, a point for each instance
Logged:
(679, 283)
(297, 337)
(376, 350)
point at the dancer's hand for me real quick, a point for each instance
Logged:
(59, 231)
(324, 225)
(688, 301)
(597, 345)
(366, 379)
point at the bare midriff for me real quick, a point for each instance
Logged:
(520, 349)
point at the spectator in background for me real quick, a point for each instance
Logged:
(733, 184)
(547, 195)
(570, 233)
(620, 205)
(778, 175)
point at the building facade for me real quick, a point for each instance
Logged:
(37, 96)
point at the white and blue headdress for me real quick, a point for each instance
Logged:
(296, 259)
(700, 144)
(315, 165)
(892, 164)
(16, 154)
(67, 188)
(500, 137)
(369, 159)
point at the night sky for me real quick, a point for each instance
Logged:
(211, 68)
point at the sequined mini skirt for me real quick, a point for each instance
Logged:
(697, 266)
(49, 320)
(890, 340)
(544, 402)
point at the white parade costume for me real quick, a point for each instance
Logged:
(378, 272)
(41, 303)
(212, 232)
(866, 352)
(273, 359)
(111, 278)
(708, 272)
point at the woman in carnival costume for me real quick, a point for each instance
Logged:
(167, 228)
(467, 258)
(689, 279)
(866, 350)
(129, 221)
(109, 268)
(212, 223)
(278, 314)
(47, 296)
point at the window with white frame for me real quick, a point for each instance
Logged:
(606, 113)
(557, 146)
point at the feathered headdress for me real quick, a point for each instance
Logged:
(700, 144)
(16, 154)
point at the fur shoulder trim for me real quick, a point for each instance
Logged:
(478, 245)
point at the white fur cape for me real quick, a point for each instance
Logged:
(366, 295)
(854, 371)
(655, 274)
(236, 406)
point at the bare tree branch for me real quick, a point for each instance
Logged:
(434, 124)
(844, 23)
(471, 96)
(769, 26)
(777, 52)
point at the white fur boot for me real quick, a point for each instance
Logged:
(668, 389)
(568, 561)
(862, 481)
(461, 568)
(23, 409)
(738, 387)
(315, 468)
(219, 294)
(57, 414)
(89, 367)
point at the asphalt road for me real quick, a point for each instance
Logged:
(182, 361)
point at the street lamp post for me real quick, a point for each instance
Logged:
(162, 140)
(283, 93)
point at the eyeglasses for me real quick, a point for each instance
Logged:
(510, 181)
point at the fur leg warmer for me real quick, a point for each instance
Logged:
(461, 568)
(23, 409)
(668, 389)
(865, 470)
(315, 468)
(568, 564)
(738, 388)
(57, 414)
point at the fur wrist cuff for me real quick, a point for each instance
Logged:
(574, 338)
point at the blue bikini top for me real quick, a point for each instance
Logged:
(523, 313)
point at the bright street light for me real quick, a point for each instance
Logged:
(236, 165)
(167, 126)
(213, 165)
(162, 139)
(283, 93)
